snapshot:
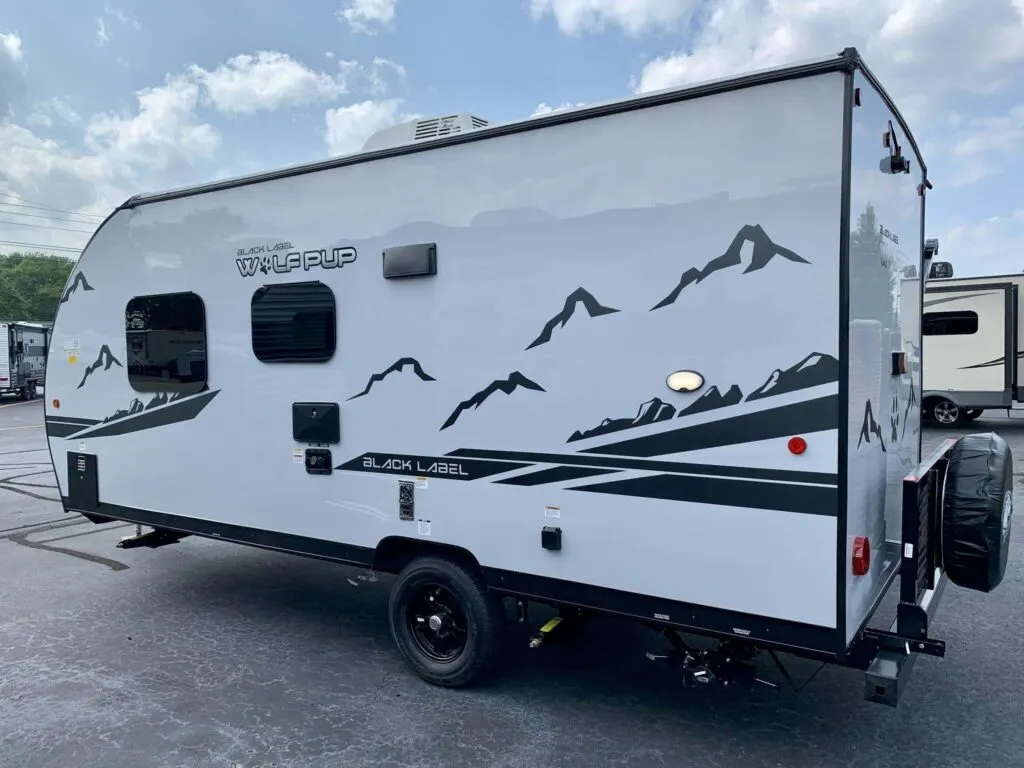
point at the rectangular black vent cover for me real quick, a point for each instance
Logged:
(410, 261)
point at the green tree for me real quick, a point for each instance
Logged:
(31, 285)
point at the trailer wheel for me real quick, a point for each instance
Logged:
(946, 413)
(31, 390)
(974, 413)
(976, 510)
(448, 627)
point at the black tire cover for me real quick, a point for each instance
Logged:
(976, 511)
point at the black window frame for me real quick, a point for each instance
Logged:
(954, 319)
(298, 354)
(166, 385)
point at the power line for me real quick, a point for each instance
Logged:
(41, 216)
(43, 226)
(39, 206)
(40, 246)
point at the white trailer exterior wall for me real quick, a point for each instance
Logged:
(883, 436)
(972, 355)
(581, 258)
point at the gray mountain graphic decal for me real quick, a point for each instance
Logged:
(78, 282)
(651, 412)
(870, 427)
(103, 360)
(764, 251)
(398, 366)
(815, 369)
(712, 399)
(515, 381)
(593, 307)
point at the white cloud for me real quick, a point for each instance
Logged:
(349, 127)
(634, 16)
(991, 247)
(111, 14)
(929, 47)
(162, 140)
(267, 80)
(12, 72)
(544, 109)
(361, 15)
(43, 113)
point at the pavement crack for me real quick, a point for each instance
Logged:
(23, 540)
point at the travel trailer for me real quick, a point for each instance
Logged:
(972, 334)
(23, 348)
(642, 358)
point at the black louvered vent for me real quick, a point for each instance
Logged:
(294, 323)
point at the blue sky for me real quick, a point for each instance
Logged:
(100, 99)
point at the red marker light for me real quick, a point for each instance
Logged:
(56, 403)
(797, 445)
(861, 555)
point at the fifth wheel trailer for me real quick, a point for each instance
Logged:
(972, 334)
(642, 358)
(23, 350)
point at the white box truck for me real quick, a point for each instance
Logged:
(642, 358)
(23, 352)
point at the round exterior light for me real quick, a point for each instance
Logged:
(685, 381)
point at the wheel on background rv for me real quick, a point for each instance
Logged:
(31, 391)
(977, 507)
(946, 413)
(447, 625)
(974, 413)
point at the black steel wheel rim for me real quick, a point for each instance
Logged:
(437, 623)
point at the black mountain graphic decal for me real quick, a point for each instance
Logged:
(104, 360)
(514, 381)
(156, 401)
(870, 427)
(78, 282)
(573, 300)
(651, 412)
(712, 399)
(398, 365)
(764, 251)
(815, 369)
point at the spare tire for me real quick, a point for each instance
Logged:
(976, 510)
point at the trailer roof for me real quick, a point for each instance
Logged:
(846, 60)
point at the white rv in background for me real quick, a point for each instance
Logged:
(23, 350)
(641, 358)
(972, 331)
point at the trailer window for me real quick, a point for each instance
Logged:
(949, 323)
(166, 342)
(293, 323)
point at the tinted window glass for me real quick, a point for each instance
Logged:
(949, 323)
(166, 338)
(293, 323)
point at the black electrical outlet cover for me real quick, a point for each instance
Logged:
(318, 461)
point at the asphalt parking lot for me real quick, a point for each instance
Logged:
(211, 654)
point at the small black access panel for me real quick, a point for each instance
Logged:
(316, 423)
(83, 482)
(418, 260)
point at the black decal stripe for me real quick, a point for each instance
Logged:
(63, 428)
(781, 497)
(442, 468)
(555, 475)
(173, 413)
(753, 473)
(798, 418)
